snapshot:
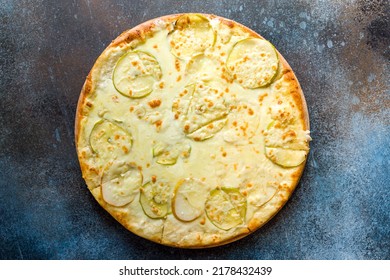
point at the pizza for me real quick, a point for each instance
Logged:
(191, 130)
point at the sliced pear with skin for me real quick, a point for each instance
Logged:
(264, 193)
(287, 138)
(192, 35)
(253, 62)
(226, 208)
(182, 103)
(135, 74)
(197, 64)
(202, 67)
(120, 183)
(189, 198)
(207, 131)
(154, 199)
(286, 146)
(285, 157)
(201, 110)
(278, 135)
(159, 148)
(109, 140)
(167, 158)
(207, 105)
(166, 154)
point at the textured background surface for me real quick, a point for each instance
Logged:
(340, 51)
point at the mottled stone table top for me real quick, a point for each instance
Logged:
(340, 52)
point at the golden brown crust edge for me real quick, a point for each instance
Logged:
(140, 33)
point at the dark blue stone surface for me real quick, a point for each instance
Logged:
(340, 53)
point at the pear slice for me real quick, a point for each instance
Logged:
(154, 199)
(192, 35)
(197, 64)
(201, 110)
(202, 67)
(285, 157)
(166, 154)
(109, 141)
(159, 148)
(287, 138)
(207, 105)
(167, 158)
(253, 62)
(207, 131)
(136, 73)
(226, 208)
(120, 183)
(189, 198)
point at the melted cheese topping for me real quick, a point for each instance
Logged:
(239, 145)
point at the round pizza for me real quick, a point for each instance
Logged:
(191, 130)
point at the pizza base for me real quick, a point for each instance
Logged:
(170, 231)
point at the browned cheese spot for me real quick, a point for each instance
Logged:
(158, 123)
(175, 105)
(154, 103)
(290, 133)
(115, 98)
(177, 65)
(261, 97)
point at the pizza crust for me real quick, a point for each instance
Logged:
(170, 231)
